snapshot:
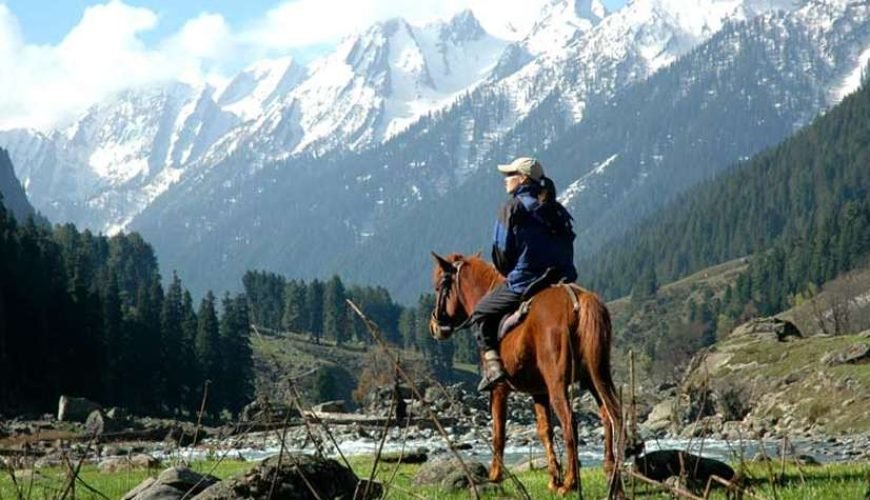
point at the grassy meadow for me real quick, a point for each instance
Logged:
(836, 481)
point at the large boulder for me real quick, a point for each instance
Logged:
(449, 475)
(265, 411)
(173, 483)
(99, 423)
(852, 355)
(71, 409)
(293, 476)
(771, 328)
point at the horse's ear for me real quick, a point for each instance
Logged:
(442, 262)
(478, 254)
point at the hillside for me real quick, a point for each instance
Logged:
(324, 371)
(805, 385)
(668, 327)
(804, 200)
(754, 377)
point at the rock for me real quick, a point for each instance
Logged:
(854, 354)
(185, 479)
(450, 475)
(70, 409)
(537, 463)
(661, 417)
(118, 414)
(160, 492)
(663, 464)
(263, 410)
(768, 329)
(806, 460)
(144, 485)
(413, 457)
(99, 423)
(336, 406)
(137, 461)
(326, 476)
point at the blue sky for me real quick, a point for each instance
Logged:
(61, 56)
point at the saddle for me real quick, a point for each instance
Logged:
(512, 320)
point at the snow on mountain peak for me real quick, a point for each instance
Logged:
(562, 21)
(252, 90)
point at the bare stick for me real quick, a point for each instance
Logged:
(199, 418)
(676, 491)
(323, 425)
(393, 405)
(376, 333)
(314, 439)
(293, 458)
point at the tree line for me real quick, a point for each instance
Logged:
(87, 315)
(319, 309)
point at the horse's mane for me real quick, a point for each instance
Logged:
(482, 269)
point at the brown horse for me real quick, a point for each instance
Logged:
(554, 346)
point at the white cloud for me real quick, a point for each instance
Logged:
(43, 85)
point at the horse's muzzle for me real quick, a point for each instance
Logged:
(439, 331)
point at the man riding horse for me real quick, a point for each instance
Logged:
(532, 248)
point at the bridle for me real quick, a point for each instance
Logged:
(439, 314)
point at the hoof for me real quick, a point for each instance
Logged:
(553, 485)
(566, 488)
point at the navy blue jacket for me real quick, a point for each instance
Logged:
(530, 237)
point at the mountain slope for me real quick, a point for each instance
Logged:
(12, 195)
(807, 198)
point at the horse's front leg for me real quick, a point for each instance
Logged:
(562, 407)
(545, 434)
(498, 409)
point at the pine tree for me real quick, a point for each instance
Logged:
(171, 336)
(237, 375)
(314, 301)
(294, 306)
(335, 319)
(208, 351)
(189, 362)
(114, 338)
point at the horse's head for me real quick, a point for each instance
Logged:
(450, 313)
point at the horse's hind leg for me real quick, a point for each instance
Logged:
(607, 422)
(498, 410)
(560, 404)
(545, 434)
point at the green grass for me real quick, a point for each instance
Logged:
(840, 481)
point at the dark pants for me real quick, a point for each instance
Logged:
(488, 313)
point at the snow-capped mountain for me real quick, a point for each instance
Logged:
(110, 163)
(128, 150)
(634, 138)
(374, 143)
(372, 87)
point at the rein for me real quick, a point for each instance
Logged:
(439, 315)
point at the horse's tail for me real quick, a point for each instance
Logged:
(595, 334)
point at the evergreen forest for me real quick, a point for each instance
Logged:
(799, 212)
